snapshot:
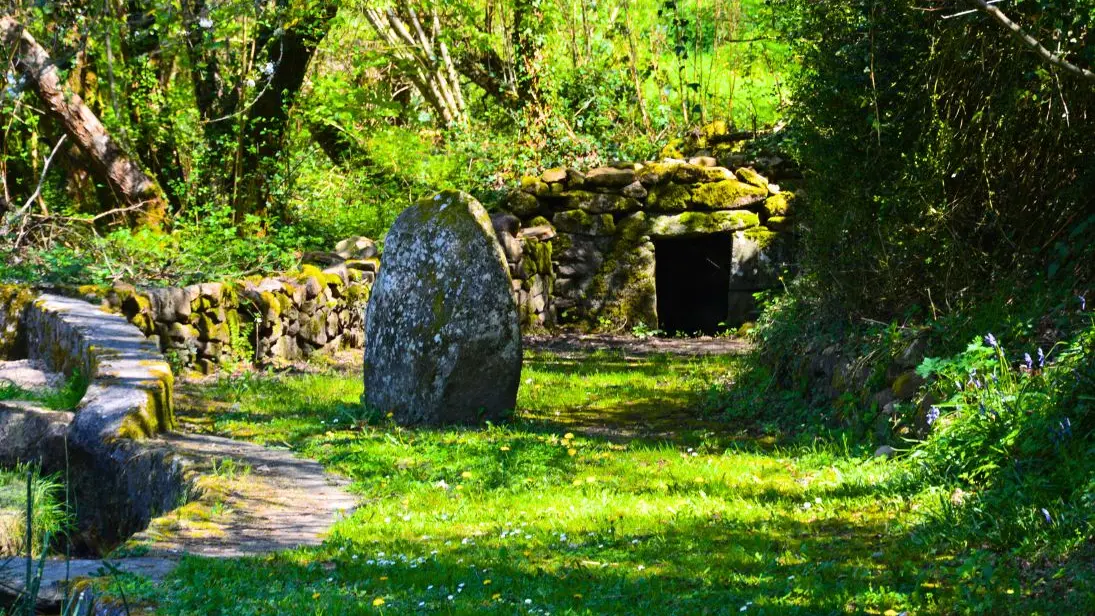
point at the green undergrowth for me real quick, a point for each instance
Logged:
(1002, 428)
(48, 511)
(610, 492)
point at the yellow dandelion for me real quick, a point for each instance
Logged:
(466, 474)
(577, 595)
(379, 601)
(568, 436)
(486, 582)
(576, 482)
(591, 480)
(496, 596)
(504, 447)
(383, 578)
(572, 451)
(315, 595)
(699, 479)
(390, 415)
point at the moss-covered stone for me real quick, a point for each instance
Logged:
(779, 204)
(715, 130)
(782, 224)
(210, 330)
(728, 195)
(699, 174)
(538, 221)
(537, 256)
(13, 301)
(669, 197)
(599, 203)
(699, 223)
(906, 385)
(751, 177)
(609, 177)
(533, 186)
(672, 149)
(553, 175)
(655, 173)
(584, 223)
(622, 292)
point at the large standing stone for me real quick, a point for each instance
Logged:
(442, 342)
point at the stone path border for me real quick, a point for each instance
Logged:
(269, 500)
(250, 500)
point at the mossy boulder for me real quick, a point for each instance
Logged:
(728, 195)
(442, 336)
(699, 223)
(669, 197)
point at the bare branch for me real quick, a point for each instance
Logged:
(19, 214)
(1031, 42)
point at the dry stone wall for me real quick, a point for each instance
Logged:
(269, 320)
(581, 245)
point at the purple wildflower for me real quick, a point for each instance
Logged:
(1041, 358)
(1045, 514)
(1028, 361)
(933, 415)
(990, 340)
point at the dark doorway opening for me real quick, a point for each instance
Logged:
(692, 278)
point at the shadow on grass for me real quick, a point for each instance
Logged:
(787, 568)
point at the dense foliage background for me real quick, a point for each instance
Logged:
(278, 127)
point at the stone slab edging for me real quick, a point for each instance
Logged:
(118, 478)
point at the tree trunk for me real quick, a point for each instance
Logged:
(122, 175)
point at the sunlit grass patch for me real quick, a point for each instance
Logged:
(608, 493)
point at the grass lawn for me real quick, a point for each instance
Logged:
(607, 494)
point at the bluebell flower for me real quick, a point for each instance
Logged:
(1041, 358)
(1045, 514)
(1083, 302)
(1028, 361)
(933, 415)
(990, 340)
